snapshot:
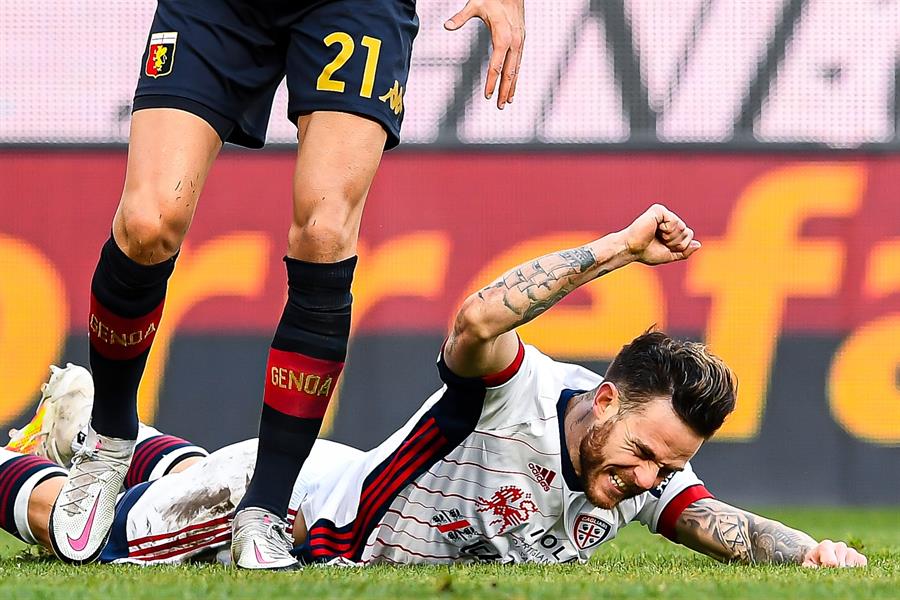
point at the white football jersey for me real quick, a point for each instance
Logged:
(476, 474)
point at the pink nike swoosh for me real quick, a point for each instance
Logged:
(79, 544)
(259, 556)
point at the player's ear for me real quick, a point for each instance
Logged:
(606, 400)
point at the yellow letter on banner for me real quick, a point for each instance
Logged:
(862, 386)
(760, 263)
(34, 317)
(200, 276)
(622, 304)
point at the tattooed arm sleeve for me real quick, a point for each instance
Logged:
(730, 534)
(482, 341)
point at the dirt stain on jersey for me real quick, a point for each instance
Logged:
(206, 504)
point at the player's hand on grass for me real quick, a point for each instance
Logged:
(505, 19)
(834, 554)
(659, 236)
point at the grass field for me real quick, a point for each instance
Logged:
(635, 565)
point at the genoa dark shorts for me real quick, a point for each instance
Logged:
(223, 60)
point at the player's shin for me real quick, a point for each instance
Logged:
(20, 474)
(126, 305)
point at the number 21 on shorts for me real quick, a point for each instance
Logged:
(325, 82)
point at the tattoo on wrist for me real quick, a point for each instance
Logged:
(731, 534)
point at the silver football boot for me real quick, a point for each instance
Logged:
(82, 515)
(259, 540)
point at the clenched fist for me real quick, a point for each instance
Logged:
(833, 554)
(659, 236)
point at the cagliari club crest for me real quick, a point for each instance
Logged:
(590, 531)
(161, 54)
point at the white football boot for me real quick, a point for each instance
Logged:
(63, 412)
(259, 540)
(83, 513)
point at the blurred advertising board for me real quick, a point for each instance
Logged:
(797, 286)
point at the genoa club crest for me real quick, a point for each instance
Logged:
(161, 54)
(590, 531)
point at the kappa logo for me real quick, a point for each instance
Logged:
(394, 98)
(161, 54)
(543, 475)
(590, 531)
(503, 504)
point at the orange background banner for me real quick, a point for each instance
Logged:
(793, 246)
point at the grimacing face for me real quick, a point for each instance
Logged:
(630, 452)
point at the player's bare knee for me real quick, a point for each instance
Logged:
(327, 233)
(322, 240)
(150, 235)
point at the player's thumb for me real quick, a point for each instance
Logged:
(692, 247)
(460, 18)
(810, 562)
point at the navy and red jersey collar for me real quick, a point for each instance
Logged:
(568, 469)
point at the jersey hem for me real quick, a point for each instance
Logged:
(225, 127)
(392, 129)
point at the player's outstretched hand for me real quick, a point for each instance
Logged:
(505, 19)
(834, 554)
(659, 236)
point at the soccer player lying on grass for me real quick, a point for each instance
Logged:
(517, 458)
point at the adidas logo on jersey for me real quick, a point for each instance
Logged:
(543, 475)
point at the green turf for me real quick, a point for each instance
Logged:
(636, 565)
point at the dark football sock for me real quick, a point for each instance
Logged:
(126, 305)
(19, 475)
(305, 361)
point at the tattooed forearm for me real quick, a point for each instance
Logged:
(582, 257)
(731, 534)
(532, 288)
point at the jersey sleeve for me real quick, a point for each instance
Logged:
(486, 381)
(509, 396)
(666, 502)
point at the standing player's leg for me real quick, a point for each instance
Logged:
(209, 74)
(338, 156)
(170, 153)
(347, 65)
